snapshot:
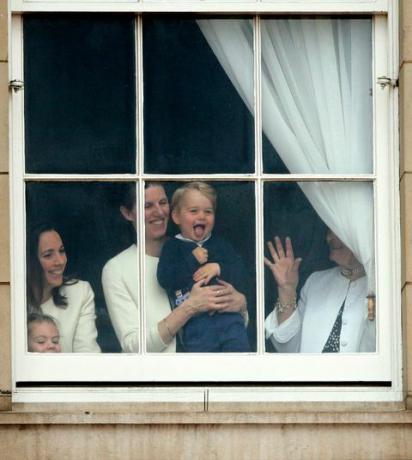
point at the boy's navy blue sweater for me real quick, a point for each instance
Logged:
(177, 264)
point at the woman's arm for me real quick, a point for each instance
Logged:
(122, 308)
(215, 298)
(202, 299)
(230, 300)
(84, 340)
(285, 271)
(283, 324)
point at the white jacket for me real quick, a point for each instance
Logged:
(120, 285)
(308, 328)
(76, 321)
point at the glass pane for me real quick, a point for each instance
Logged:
(79, 76)
(195, 120)
(317, 95)
(203, 247)
(330, 272)
(86, 219)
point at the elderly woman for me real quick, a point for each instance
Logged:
(69, 301)
(120, 283)
(331, 314)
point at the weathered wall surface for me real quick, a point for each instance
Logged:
(5, 375)
(39, 435)
(207, 442)
(405, 115)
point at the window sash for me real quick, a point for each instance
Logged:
(205, 6)
(381, 366)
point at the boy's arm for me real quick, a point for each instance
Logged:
(207, 272)
(176, 265)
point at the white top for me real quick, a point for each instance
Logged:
(76, 321)
(308, 328)
(120, 286)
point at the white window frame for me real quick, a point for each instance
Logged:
(262, 368)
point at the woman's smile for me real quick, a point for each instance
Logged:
(156, 213)
(52, 258)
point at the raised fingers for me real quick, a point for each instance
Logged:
(273, 252)
(289, 248)
(279, 247)
(268, 263)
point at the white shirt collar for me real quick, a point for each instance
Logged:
(200, 243)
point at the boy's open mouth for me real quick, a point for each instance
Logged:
(199, 230)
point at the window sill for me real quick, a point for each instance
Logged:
(188, 414)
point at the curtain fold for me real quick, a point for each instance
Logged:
(316, 109)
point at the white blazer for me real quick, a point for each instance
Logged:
(76, 321)
(120, 286)
(308, 328)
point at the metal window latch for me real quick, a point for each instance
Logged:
(386, 81)
(16, 85)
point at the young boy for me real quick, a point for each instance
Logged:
(42, 334)
(193, 255)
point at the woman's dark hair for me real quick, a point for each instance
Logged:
(127, 193)
(35, 272)
(127, 196)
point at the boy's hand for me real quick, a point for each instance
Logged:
(207, 272)
(201, 255)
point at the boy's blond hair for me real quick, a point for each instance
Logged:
(205, 189)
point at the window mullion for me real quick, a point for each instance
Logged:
(386, 198)
(139, 95)
(257, 95)
(140, 185)
(260, 292)
(18, 212)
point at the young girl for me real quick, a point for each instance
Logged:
(42, 334)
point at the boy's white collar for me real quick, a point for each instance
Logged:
(200, 243)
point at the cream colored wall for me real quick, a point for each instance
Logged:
(310, 431)
(405, 114)
(5, 376)
(208, 442)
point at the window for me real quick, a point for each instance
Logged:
(281, 114)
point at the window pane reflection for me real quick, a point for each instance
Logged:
(317, 295)
(80, 98)
(195, 121)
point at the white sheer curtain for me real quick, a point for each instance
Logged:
(316, 109)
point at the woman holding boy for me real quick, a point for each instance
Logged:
(119, 281)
